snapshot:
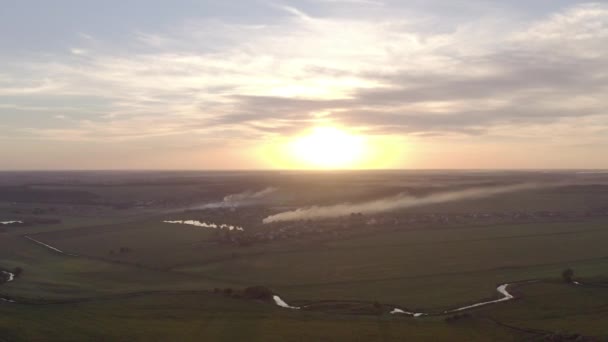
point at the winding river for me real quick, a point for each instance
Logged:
(9, 222)
(502, 289)
(10, 278)
(278, 301)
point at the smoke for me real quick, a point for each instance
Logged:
(206, 225)
(393, 203)
(249, 196)
(239, 200)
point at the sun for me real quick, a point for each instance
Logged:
(332, 147)
(329, 147)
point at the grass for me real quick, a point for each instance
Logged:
(544, 307)
(212, 318)
(409, 268)
(429, 269)
(49, 276)
(557, 307)
(419, 268)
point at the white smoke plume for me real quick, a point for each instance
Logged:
(396, 202)
(206, 225)
(249, 196)
(241, 199)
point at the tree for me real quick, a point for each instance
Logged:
(567, 275)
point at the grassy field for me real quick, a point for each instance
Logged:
(211, 318)
(410, 268)
(543, 309)
(162, 287)
(49, 276)
(556, 307)
(420, 269)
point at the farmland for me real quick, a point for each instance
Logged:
(117, 263)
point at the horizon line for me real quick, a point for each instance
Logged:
(302, 170)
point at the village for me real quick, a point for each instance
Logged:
(359, 223)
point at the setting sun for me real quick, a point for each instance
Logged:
(332, 147)
(329, 147)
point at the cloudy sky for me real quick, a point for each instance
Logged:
(196, 84)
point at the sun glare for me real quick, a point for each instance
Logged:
(329, 148)
(332, 148)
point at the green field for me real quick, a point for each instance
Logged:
(409, 268)
(208, 318)
(164, 285)
(428, 270)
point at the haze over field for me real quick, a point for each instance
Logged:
(310, 84)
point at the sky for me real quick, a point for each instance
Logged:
(195, 84)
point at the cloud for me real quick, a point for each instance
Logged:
(385, 73)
